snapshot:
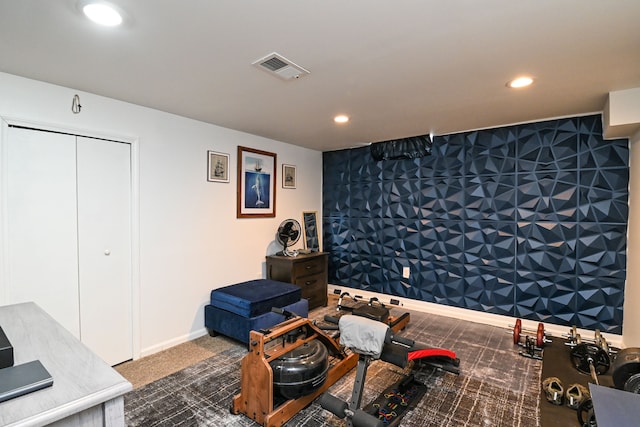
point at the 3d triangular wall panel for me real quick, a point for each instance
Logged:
(528, 221)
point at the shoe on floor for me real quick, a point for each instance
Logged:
(553, 390)
(575, 395)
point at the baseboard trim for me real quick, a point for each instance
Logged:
(472, 315)
(422, 306)
(173, 342)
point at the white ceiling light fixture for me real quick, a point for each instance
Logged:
(520, 82)
(102, 13)
(341, 118)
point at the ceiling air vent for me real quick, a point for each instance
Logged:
(280, 66)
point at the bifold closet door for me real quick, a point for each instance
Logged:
(104, 230)
(42, 224)
(69, 235)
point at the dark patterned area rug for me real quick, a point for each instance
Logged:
(496, 387)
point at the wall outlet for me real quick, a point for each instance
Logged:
(406, 272)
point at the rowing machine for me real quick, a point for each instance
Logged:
(267, 393)
(374, 340)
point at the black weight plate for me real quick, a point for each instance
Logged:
(582, 353)
(627, 363)
(586, 416)
(633, 384)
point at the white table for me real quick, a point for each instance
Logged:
(86, 391)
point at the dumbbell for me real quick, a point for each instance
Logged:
(541, 338)
(575, 338)
(531, 350)
(598, 340)
(601, 342)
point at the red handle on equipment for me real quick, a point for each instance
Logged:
(431, 352)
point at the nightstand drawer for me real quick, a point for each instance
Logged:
(311, 283)
(308, 267)
(314, 288)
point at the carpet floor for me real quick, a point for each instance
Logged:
(496, 386)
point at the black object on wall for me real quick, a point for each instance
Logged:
(406, 148)
(528, 221)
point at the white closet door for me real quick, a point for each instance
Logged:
(104, 241)
(42, 227)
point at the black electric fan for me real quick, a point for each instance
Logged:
(288, 235)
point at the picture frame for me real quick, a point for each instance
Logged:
(256, 194)
(311, 233)
(288, 176)
(217, 166)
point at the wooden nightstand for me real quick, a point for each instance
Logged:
(309, 272)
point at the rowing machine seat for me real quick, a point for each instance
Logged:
(363, 336)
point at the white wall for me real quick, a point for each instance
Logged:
(631, 321)
(190, 240)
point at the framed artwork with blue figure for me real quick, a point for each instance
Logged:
(256, 183)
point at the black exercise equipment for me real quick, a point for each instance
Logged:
(626, 370)
(373, 309)
(372, 340)
(591, 360)
(586, 415)
(597, 358)
(590, 356)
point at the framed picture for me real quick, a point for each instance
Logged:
(310, 221)
(288, 176)
(217, 167)
(256, 183)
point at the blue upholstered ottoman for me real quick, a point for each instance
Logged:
(235, 310)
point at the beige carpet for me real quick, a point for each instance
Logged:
(151, 368)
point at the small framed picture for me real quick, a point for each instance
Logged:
(288, 176)
(217, 167)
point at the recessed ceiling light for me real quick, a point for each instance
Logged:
(520, 82)
(341, 118)
(103, 14)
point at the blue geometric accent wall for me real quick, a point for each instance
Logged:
(528, 221)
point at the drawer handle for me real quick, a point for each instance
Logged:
(309, 267)
(310, 282)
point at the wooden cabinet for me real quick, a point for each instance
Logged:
(309, 272)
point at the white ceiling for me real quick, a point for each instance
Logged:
(399, 68)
